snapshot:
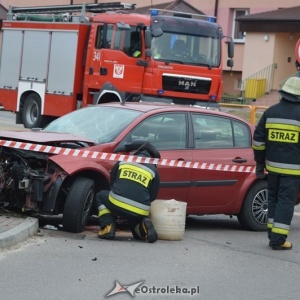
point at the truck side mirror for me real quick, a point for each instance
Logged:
(230, 63)
(230, 49)
(157, 32)
(148, 38)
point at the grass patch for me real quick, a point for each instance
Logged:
(245, 114)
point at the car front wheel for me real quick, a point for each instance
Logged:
(78, 204)
(254, 211)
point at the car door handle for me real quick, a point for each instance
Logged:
(239, 160)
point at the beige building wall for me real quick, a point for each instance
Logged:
(285, 56)
(259, 52)
(264, 49)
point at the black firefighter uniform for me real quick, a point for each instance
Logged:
(276, 146)
(133, 187)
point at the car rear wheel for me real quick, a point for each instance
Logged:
(78, 204)
(254, 212)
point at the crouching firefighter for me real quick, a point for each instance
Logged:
(133, 187)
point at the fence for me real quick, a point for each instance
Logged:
(253, 110)
(258, 84)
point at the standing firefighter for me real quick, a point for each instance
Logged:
(133, 187)
(276, 146)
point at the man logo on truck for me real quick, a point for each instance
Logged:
(187, 84)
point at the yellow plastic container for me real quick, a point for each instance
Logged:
(255, 88)
(168, 218)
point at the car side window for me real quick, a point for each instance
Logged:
(219, 132)
(163, 131)
(242, 135)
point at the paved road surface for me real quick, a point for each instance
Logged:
(7, 121)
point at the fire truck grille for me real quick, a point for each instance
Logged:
(186, 85)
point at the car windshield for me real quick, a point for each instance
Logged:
(100, 124)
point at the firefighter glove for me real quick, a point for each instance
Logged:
(260, 170)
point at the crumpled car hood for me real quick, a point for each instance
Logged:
(42, 137)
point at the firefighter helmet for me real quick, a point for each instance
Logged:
(291, 90)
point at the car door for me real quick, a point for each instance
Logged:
(224, 141)
(168, 133)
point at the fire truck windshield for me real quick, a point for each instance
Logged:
(187, 49)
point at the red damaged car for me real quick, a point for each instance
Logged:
(43, 183)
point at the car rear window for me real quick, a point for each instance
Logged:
(219, 132)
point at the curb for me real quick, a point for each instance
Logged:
(20, 233)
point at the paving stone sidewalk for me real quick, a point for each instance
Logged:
(15, 229)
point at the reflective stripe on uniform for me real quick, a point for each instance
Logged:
(137, 53)
(288, 169)
(136, 172)
(137, 165)
(103, 211)
(283, 130)
(258, 145)
(128, 204)
(280, 228)
(279, 123)
(270, 223)
(283, 136)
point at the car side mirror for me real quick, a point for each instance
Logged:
(129, 146)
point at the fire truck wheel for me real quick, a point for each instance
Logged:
(31, 114)
(78, 204)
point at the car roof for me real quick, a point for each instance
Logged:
(155, 106)
(140, 106)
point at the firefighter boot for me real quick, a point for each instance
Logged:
(107, 232)
(147, 231)
(151, 234)
(284, 246)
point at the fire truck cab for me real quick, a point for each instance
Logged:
(54, 61)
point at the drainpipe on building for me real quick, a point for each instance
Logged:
(216, 8)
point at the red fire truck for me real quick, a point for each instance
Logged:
(56, 59)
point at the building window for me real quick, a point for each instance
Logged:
(238, 83)
(237, 34)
